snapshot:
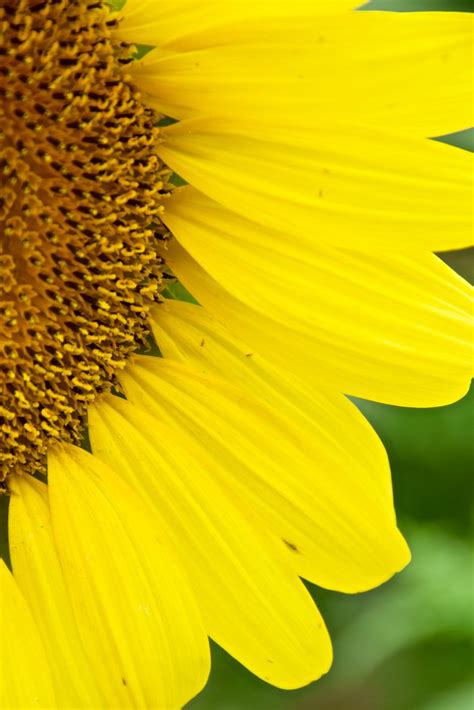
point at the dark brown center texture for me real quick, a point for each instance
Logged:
(80, 190)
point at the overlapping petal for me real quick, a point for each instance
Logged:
(25, 678)
(265, 446)
(136, 614)
(252, 601)
(189, 24)
(390, 327)
(301, 457)
(346, 185)
(406, 71)
(39, 575)
(188, 333)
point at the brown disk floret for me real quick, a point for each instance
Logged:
(80, 190)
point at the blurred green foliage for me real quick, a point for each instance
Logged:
(425, 5)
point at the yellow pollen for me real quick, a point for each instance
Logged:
(80, 192)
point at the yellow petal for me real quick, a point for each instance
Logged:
(188, 333)
(412, 302)
(25, 680)
(282, 452)
(135, 612)
(342, 474)
(391, 328)
(38, 574)
(406, 71)
(349, 186)
(190, 24)
(252, 602)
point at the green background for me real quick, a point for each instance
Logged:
(408, 644)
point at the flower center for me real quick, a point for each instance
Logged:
(80, 190)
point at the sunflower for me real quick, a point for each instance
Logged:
(175, 466)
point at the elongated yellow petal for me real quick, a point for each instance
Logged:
(349, 186)
(136, 615)
(407, 71)
(252, 601)
(188, 333)
(307, 478)
(25, 680)
(188, 24)
(402, 300)
(413, 311)
(39, 576)
(311, 491)
(401, 337)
